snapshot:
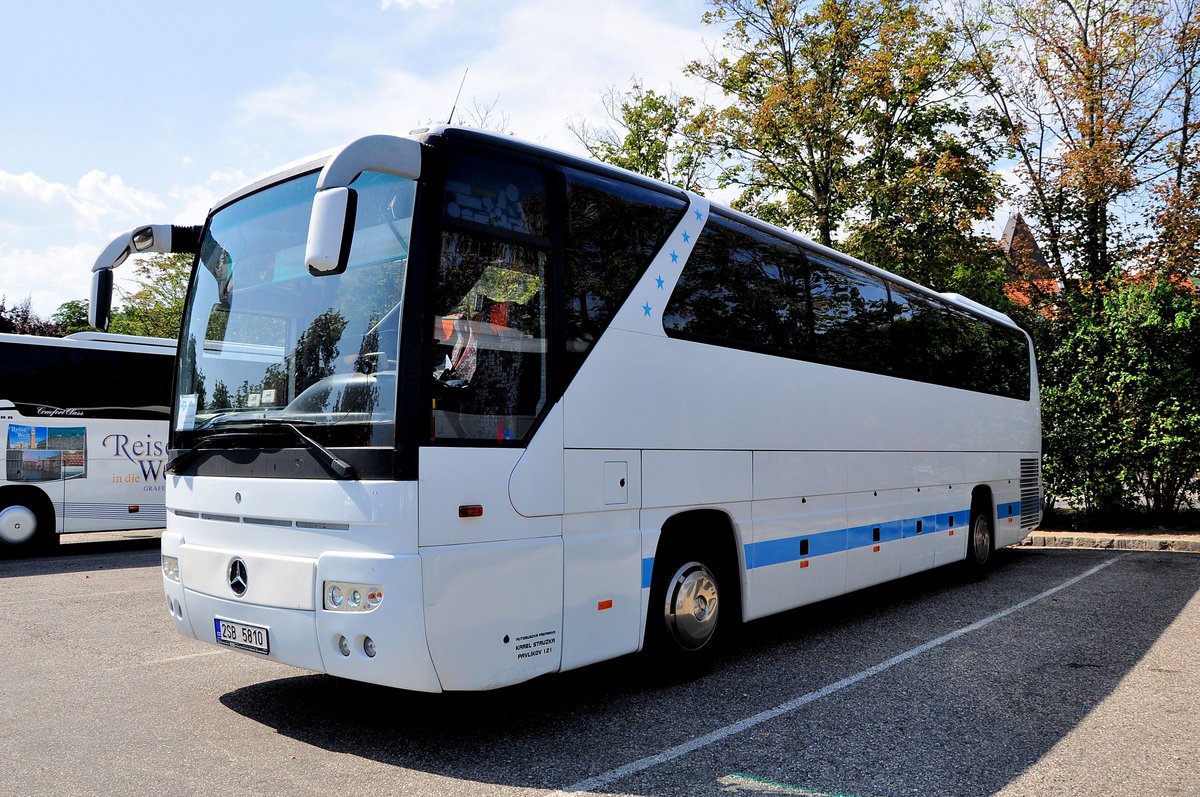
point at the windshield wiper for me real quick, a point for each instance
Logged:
(340, 467)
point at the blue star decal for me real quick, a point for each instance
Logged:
(674, 257)
(659, 280)
(699, 216)
(646, 309)
(686, 237)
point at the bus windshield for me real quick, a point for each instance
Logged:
(265, 341)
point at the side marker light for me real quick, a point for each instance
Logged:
(604, 604)
(470, 510)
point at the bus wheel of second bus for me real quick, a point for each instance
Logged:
(25, 525)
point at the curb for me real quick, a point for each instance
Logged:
(1124, 542)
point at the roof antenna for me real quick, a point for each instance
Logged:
(450, 121)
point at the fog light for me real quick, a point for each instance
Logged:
(369, 647)
(170, 567)
(344, 645)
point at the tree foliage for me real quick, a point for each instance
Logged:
(1121, 399)
(155, 306)
(652, 134)
(21, 320)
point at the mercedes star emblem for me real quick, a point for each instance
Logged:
(239, 580)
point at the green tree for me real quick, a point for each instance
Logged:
(72, 316)
(1121, 399)
(155, 307)
(1093, 95)
(652, 134)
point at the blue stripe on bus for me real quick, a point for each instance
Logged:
(774, 552)
(1011, 509)
(647, 572)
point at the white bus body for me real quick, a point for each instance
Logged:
(588, 413)
(83, 422)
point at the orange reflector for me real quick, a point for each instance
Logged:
(135, 508)
(804, 563)
(951, 532)
(605, 604)
(876, 549)
(470, 510)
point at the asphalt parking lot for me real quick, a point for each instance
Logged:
(1063, 672)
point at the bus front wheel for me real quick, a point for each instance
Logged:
(25, 529)
(685, 618)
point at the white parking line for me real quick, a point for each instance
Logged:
(602, 780)
(156, 662)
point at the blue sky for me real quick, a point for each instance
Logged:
(123, 113)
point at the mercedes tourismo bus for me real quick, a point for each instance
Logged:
(83, 423)
(453, 411)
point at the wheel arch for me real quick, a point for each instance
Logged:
(710, 530)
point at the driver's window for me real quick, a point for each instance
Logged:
(490, 325)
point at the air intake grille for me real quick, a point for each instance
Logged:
(1031, 493)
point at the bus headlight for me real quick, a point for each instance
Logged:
(170, 567)
(345, 596)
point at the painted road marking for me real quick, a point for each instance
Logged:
(632, 768)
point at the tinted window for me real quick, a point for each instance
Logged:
(490, 331)
(850, 314)
(743, 287)
(501, 194)
(613, 231)
(935, 342)
(747, 289)
(95, 382)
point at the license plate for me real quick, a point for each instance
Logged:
(240, 635)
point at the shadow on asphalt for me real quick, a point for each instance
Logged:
(965, 719)
(73, 557)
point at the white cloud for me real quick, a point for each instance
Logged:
(543, 62)
(51, 233)
(409, 4)
(27, 200)
(49, 277)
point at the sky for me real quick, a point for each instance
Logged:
(123, 113)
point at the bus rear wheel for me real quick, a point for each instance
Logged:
(25, 528)
(981, 543)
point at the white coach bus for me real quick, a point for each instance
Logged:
(83, 422)
(453, 411)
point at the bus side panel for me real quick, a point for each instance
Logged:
(652, 392)
(875, 537)
(601, 555)
(602, 586)
(798, 555)
(493, 611)
(919, 527)
(124, 486)
(454, 478)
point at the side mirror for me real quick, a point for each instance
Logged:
(140, 240)
(101, 300)
(331, 231)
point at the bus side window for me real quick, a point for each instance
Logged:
(490, 330)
